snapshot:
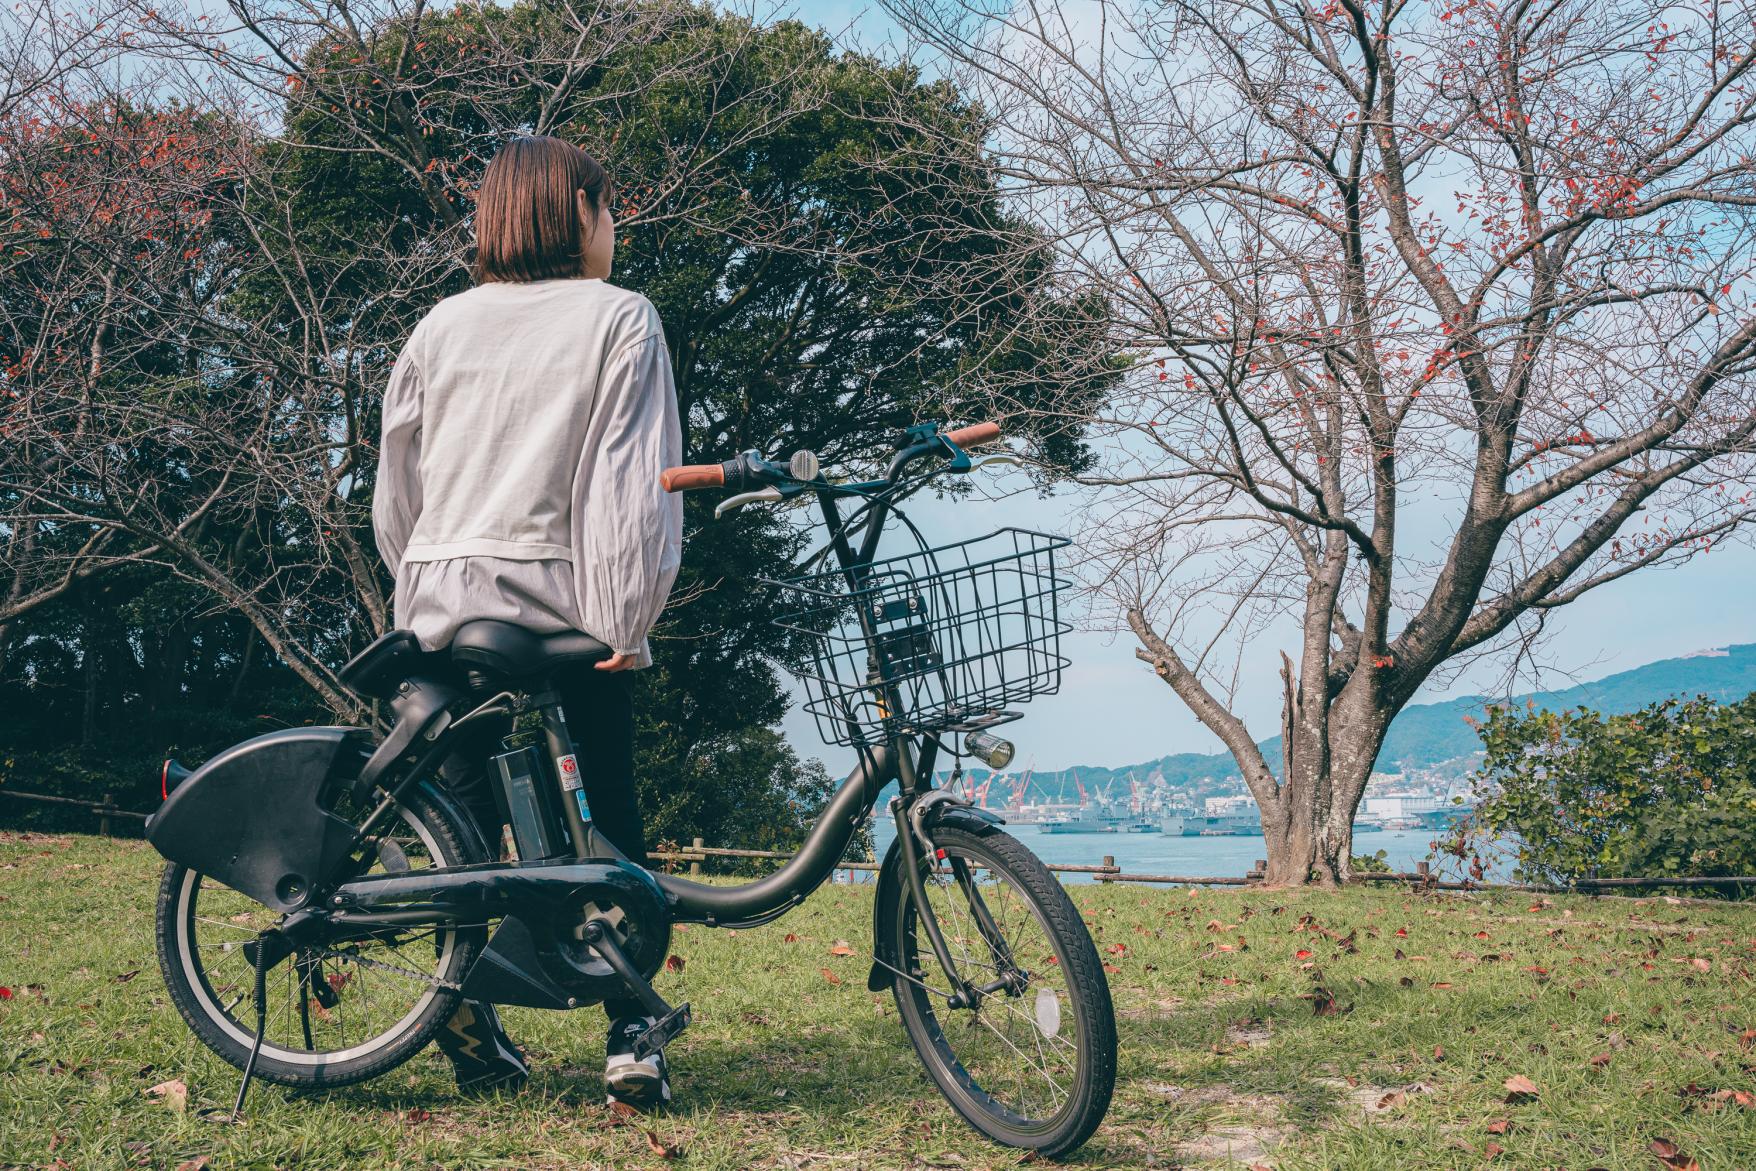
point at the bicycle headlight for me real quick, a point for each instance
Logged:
(988, 748)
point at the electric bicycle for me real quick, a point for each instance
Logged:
(327, 903)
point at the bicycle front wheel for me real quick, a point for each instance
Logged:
(1032, 1063)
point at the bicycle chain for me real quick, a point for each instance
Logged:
(363, 961)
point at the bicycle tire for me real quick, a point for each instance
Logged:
(186, 976)
(1088, 992)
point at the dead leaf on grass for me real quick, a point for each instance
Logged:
(172, 1093)
(1668, 1153)
(1520, 1088)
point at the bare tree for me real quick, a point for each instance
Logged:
(1384, 271)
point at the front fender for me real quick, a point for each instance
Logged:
(892, 887)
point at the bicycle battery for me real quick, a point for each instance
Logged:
(527, 799)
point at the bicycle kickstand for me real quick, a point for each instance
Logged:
(259, 962)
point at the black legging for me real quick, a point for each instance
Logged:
(599, 706)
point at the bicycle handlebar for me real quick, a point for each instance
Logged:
(975, 434)
(693, 476)
(735, 473)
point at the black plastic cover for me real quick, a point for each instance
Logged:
(250, 817)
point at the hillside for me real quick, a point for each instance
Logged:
(1431, 734)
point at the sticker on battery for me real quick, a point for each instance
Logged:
(569, 769)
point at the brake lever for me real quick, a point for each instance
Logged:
(1011, 460)
(770, 495)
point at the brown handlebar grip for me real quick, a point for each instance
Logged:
(693, 476)
(974, 434)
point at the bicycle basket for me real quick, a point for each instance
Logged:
(938, 640)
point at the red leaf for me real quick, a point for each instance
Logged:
(830, 976)
(1500, 1126)
(1601, 1060)
(673, 963)
(791, 938)
(5, 993)
(1302, 954)
(841, 948)
(1112, 969)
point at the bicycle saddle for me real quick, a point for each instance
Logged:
(505, 649)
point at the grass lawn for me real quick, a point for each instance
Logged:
(1363, 1029)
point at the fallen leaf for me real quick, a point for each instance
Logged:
(1667, 1153)
(830, 976)
(1519, 1088)
(1601, 1060)
(660, 1149)
(1702, 964)
(124, 977)
(172, 1093)
(841, 948)
(418, 1115)
(199, 1163)
(1392, 1100)
(674, 963)
(791, 938)
(1500, 1126)
(1493, 1150)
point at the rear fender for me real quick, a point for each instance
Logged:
(253, 817)
(892, 886)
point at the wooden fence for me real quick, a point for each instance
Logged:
(1107, 871)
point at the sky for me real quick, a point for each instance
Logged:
(1111, 710)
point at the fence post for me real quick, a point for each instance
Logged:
(1109, 868)
(1259, 871)
(104, 815)
(695, 866)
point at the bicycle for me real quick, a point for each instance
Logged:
(326, 903)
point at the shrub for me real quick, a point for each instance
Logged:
(1669, 790)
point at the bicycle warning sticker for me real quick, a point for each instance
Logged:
(569, 768)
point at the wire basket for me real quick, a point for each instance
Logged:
(939, 640)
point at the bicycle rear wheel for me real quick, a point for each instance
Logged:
(1033, 1063)
(340, 1010)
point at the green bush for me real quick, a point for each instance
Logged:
(1666, 791)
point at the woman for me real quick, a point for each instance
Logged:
(526, 422)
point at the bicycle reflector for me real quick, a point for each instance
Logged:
(988, 748)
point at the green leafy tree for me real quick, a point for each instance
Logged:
(820, 232)
(1669, 790)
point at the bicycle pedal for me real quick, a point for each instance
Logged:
(662, 1033)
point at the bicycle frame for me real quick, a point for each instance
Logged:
(905, 758)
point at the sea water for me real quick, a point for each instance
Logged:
(1200, 857)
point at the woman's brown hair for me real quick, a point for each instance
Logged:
(527, 221)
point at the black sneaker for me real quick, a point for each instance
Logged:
(642, 1081)
(483, 1056)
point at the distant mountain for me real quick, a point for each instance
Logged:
(1427, 735)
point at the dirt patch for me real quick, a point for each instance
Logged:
(1248, 1034)
(1369, 1098)
(1249, 1145)
(1235, 1128)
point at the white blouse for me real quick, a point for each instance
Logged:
(525, 427)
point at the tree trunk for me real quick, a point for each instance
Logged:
(1308, 825)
